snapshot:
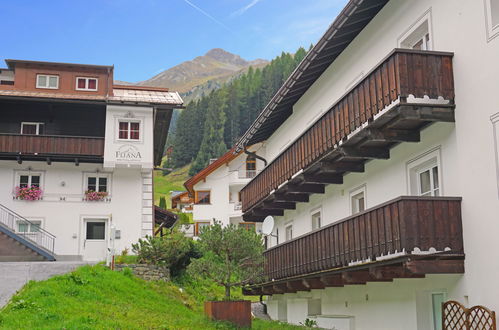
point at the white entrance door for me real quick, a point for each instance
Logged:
(95, 239)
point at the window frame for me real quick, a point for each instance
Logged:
(403, 39)
(30, 174)
(47, 76)
(31, 221)
(247, 225)
(288, 225)
(492, 30)
(87, 83)
(37, 124)
(312, 213)
(96, 220)
(428, 168)
(97, 175)
(196, 197)
(353, 195)
(418, 164)
(129, 130)
(197, 230)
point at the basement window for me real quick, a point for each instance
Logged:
(29, 227)
(47, 81)
(86, 84)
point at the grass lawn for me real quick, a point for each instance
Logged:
(93, 297)
(163, 185)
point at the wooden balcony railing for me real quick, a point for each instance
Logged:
(401, 74)
(48, 145)
(400, 225)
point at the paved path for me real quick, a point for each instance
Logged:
(13, 275)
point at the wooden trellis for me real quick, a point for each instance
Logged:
(457, 317)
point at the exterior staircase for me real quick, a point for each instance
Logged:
(23, 246)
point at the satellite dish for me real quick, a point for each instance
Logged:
(268, 225)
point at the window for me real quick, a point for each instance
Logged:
(86, 84)
(492, 17)
(419, 38)
(96, 230)
(316, 220)
(199, 227)
(97, 182)
(128, 130)
(250, 166)
(428, 181)
(47, 81)
(418, 35)
(29, 227)
(247, 225)
(289, 232)
(424, 174)
(203, 197)
(358, 200)
(32, 128)
(26, 180)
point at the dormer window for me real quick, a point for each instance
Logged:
(32, 128)
(47, 81)
(86, 84)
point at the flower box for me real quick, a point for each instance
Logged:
(31, 193)
(95, 196)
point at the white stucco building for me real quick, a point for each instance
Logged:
(90, 147)
(382, 175)
(216, 188)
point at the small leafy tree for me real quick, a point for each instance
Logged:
(232, 256)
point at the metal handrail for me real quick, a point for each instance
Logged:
(40, 238)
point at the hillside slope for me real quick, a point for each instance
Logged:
(98, 298)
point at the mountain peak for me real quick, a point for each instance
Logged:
(224, 56)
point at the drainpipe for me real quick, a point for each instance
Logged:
(255, 155)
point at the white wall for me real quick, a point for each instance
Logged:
(141, 151)
(64, 219)
(468, 153)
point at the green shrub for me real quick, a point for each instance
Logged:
(173, 251)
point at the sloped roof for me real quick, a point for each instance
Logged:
(225, 158)
(164, 216)
(142, 95)
(348, 24)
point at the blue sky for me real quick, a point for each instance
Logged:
(143, 37)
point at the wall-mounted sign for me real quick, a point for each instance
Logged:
(128, 153)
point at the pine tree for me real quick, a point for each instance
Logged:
(162, 202)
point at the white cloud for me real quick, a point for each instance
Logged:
(242, 10)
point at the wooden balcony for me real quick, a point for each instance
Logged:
(51, 148)
(406, 92)
(403, 238)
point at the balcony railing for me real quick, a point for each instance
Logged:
(47, 145)
(401, 74)
(402, 225)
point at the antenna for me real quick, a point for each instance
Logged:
(268, 226)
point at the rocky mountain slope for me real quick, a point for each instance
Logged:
(204, 73)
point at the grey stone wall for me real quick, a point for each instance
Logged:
(147, 272)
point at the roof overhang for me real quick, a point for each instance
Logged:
(345, 28)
